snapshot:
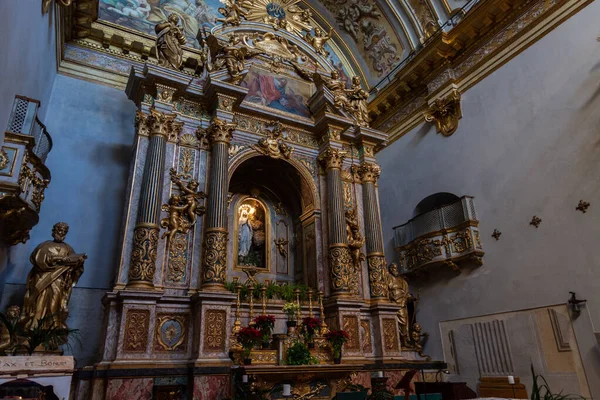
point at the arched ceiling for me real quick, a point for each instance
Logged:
(369, 38)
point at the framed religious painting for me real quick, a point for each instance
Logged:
(252, 232)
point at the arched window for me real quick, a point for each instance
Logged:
(433, 202)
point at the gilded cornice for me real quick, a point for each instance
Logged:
(488, 36)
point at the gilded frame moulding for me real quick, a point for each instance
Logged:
(268, 240)
(164, 334)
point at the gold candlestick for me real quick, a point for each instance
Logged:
(299, 315)
(237, 325)
(324, 328)
(310, 311)
(251, 304)
(263, 294)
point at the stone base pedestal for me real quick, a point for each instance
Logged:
(498, 386)
(55, 371)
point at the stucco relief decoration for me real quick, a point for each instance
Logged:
(390, 335)
(171, 333)
(365, 336)
(143, 258)
(3, 159)
(425, 17)
(445, 113)
(136, 330)
(350, 325)
(363, 21)
(215, 330)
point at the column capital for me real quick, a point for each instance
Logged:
(369, 172)
(332, 158)
(221, 131)
(157, 123)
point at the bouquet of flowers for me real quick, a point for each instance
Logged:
(291, 309)
(248, 338)
(310, 326)
(336, 340)
(265, 323)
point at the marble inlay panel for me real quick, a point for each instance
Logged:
(211, 387)
(129, 389)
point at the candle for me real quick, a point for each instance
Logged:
(380, 374)
(245, 378)
(511, 380)
(287, 389)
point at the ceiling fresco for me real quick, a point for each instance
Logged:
(369, 37)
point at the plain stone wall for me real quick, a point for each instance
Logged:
(528, 144)
(93, 130)
(27, 55)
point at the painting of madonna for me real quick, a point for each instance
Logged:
(277, 92)
(251, 234)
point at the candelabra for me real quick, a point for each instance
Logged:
(310, 310)
(299, 315)
(251, 303)
(263, 294)
(237, 325)
(324, 328)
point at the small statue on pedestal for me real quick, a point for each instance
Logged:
(357, 102)
(398, 292)
(56, 269)
(168, 43)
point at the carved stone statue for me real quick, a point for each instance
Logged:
(337, 87)
(232, 12)
(175, 222)
(56, 269)
(357, 102)
(355, 243)
(8, 340)
(398, 292)
(319, 40)
(168, 43)
(273, 145)
(417, 342)
(231, 56)
(191, 197)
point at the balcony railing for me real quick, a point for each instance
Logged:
(447, 235)
(23, 174)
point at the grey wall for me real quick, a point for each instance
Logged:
(527, 144)
(28, 55)
(93, 130)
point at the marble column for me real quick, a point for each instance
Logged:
(369, 173)
(214, 272)
(158, 126)
(340, 261)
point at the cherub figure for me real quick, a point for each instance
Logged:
(174, 222)
(191, 197)
(319, 40)
(416, 336)
(232, 12)
(355, 239)
(230, 55)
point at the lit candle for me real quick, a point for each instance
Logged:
(380, 374)
(511, 380)
(245, 378)
(287, 389)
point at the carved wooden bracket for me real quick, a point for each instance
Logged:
(445, 113)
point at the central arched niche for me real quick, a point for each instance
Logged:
(268, 199)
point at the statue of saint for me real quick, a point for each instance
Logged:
(398, 292)
(357, 102)
(244, 232)
(168, 43)
(56, 269)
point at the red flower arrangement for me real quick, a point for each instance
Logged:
(248, 338)
(310, 326)
(337, 339)
(265, 323)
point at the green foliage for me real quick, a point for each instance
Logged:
(285, 291)
(299, 354)
(541, 391)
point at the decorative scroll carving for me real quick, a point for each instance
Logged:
(136, 330)
(342, 268)
(215, 330)
(3, 159)
(143, 258)
(377, 275)
(390, 335)
(171, 332)
(177, 266)
(369, 172)
(365, 330)
(332, 158)
(215, 257)
(220, 131)
(273, 145)
(350, 325)
(445, 113)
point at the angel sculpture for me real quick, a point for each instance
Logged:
(175, 222)
(191, 197)
(355, 239)
(232, 12)
(230, 55)
(169, 40)
(319, 40)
